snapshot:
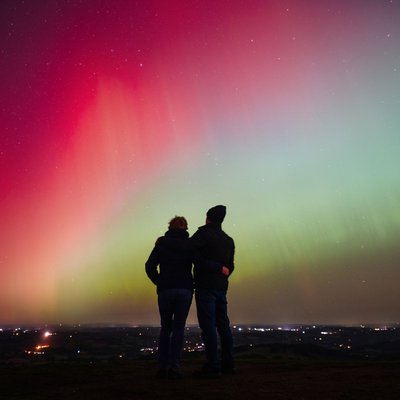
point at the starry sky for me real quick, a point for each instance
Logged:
(117, 115)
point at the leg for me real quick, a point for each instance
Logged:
(224, 331)
(182, 303)
(206, 312)
(164, 305)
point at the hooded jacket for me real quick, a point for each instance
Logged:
(175, 261)
(213, 248)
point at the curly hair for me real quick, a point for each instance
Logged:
(178, 223)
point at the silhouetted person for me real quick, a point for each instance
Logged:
(214, 262)
(175, 291)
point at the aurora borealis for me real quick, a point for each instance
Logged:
(118, 115)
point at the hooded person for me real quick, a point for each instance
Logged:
(170, 269)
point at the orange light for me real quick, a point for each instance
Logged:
(40, 346)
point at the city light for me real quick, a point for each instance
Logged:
(42, 346)
(94, 343)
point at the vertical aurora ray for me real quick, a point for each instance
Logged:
(115, 117)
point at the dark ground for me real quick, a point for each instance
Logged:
(256, 379)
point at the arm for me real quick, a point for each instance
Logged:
(208, 266)
(228, 269)
(231, 265)
(151, 266)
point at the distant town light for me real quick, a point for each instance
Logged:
(42, 346)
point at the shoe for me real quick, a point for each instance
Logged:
(174, 374)
(162, 373)
(207, 373)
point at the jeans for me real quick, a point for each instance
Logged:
(212, 313)
(174, 305)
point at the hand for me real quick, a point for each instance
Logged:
(225, 271)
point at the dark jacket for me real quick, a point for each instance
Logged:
(175, 261)
(213, 248)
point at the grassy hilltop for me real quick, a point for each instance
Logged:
(260, 378)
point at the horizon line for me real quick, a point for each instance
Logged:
(233, 325)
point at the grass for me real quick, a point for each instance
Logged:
(256, 379)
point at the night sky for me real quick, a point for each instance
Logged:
(117, 115)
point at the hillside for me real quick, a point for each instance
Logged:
(256, 379)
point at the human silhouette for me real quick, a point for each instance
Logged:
(174, 283)
(213, 264)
